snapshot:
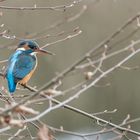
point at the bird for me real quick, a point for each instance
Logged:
(22, 63)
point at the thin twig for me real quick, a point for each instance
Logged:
(55, 8)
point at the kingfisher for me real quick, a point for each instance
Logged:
(22, 63)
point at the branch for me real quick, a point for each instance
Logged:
(119, 127)
(72, 67)
(55, 8)
(132, 49)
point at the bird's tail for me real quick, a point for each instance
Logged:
(12, 86)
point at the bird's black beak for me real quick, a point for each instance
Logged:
(42, 51)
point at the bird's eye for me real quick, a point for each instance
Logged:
(32, 47)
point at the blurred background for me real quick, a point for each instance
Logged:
(98, 21)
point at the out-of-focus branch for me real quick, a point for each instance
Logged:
(63, 103)
(66, 38)
(119, 127)
(114, 126)
(35, 36)
(35, 7)
(11, 115)
(74, 33)
(67, 19)
(72, 67)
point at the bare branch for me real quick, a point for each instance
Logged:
(55, 8)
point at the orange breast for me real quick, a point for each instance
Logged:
(26, 78)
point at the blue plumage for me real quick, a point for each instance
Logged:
(23, 66)
(22, 63)
(9, 73)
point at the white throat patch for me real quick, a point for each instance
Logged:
(33, 53)
(21, 49)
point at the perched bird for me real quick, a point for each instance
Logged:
(22, 63)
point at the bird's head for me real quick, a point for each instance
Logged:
(32, 47)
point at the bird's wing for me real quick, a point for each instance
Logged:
(23, 66)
